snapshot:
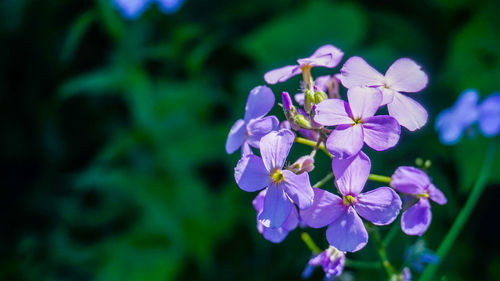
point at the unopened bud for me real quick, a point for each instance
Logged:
(302, 121)
(319, 96)
(303, 164)
(308, 100)
(427, 164)
(419, 162)
(287, 101)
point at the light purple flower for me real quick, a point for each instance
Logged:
(275, 235)
(326, 56)
(356, 123)
(415, 182)
(253, 127)
(489, 115)
(346, 231)
(331, 260)
(254, 173)
(132, 9)
(451, 122)
(404, 75)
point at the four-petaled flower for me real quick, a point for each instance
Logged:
(254, 173)
(404, 75)
(346, 231)
(254, 126)
(415, 182)
(326, 56)
(331, 260)
(356, 123)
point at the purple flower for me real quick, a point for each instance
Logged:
(452, 122)
(415, 182)
(418, 256)
(331, 260)
(326, 56)
(404, 75)
(254, 173)
(489, 115)
(346, 231)
(275, 235)
(253, 127)
(357, 123)
(132, 9)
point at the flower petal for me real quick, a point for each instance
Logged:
(387, 95)
(345, 141)
(410, 180)
(259, 102)
(352, 173)
(251, 174)
(326, 56)
(381, 132)
(357, 72)
(292, 221)
(417, 218)
(281, 74)
(409, 113)
(277, 207)
(274, 148)
(246, 149)
(449, 128)
(347, 233)
(381, 206)
(489, 115)
(436, 195)
(325, 209)
(363, 101)
(298, 188)
(332, 112)
(257, 128)
(275, 235)
(404, 75)
(236, 136)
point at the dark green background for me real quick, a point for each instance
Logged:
(113, 132)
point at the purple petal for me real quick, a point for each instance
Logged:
(381, 206)
(363, 101)
(281, 74)
(274, 148)
(236, 136)
(275, 235)
(325, 209)
(251, 174)
(259, 102)
(299, 98)
(409, 113)
(258, 202)
(357, 72)
(345, 141)
(489, 115)
(404, 75)
(381, 132)
(466, 109)
(298, 188)
(417, 218)
(449, 128)
(246, 149)
(333, 112)
(277, 207)
(170, 6)
(387, 95)
(257, 128)
(351, 174)
(436, 195)
(347, 233)
(410, 180)
(131, 9)
(292, 221)
(326, 56)
(322, 82)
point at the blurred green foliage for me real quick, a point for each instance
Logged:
(114, 131)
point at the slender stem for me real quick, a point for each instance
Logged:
(313, 144)
(310, 243)
(362, 264)
(462, 217)
(323, 180)
(389, 269)
(392, 232)
(379, 178)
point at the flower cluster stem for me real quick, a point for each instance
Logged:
(313, 144)
(323, 180)
(310, 243)
(379, 178)
(463, 216)
(382, 253)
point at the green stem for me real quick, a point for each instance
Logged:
(389, 269)
(392, 232)
(362, 264)
(313, 144)
(323, 180)
(379, 178)
(310, 243)
(462, 217)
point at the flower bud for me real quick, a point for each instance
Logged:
(319, 96)
(303, 164)
(308, 100)
(287, 101)
(302, 121)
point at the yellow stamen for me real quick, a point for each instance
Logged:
(349, 200)
(277, 176)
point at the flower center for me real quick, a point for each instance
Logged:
(277, 176)
(349, 200)
(422, 195)
(357, 121)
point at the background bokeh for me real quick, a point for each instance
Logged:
(113, 132)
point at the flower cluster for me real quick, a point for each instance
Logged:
(132, 9)
(452, 122)
(340, 128)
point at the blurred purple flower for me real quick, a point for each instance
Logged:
(346, 231)
(418, 256)
(132, 9)
(326, 56)
(412, 181)
(331, 260)
(356, 123)
(453, 121)
(253, 127)
(275, 235)
(489, 115)
(254, 173)
(404, 75)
